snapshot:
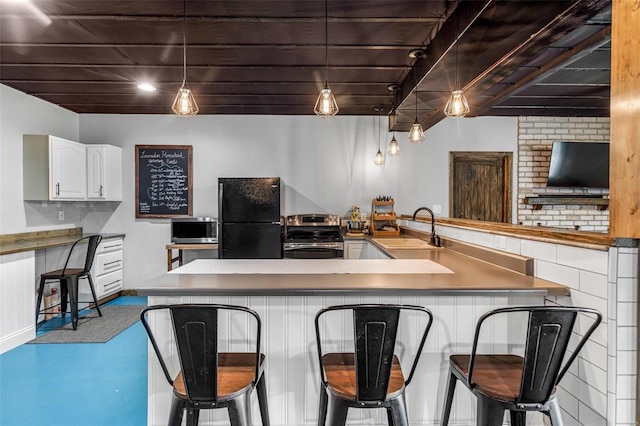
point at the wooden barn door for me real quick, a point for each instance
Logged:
(480, 186)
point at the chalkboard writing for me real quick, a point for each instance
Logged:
(163, 181)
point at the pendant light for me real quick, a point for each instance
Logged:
(185, 104)
(379, 159)
(393, 149)
(326, 105)
(457, 105)
(416, 134)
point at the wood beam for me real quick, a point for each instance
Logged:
(624, 173)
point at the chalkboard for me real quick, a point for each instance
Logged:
(164, 184)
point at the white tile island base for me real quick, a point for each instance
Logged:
(291, 358)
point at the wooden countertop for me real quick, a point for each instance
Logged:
(29, 241)
(585, 239)
(470, 277)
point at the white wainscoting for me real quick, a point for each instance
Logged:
(292, 369)
(17, 299)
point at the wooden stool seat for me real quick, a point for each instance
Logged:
(497, 376)
(340, 370)
(56, 275)
(236, 371)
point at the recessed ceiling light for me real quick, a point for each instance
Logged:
(147, 87)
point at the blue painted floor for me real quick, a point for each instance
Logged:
(89, 384)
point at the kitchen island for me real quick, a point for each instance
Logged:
(287, 294)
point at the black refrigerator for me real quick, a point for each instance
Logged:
(249, 217)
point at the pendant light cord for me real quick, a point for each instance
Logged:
(457, 41)
(416, 89)
(184, 42)
(326, 42)
(378, 131)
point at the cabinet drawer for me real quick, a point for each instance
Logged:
(110, 245)
(109, 283)
(108, 262)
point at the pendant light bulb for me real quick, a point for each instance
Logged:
(457, 105)
(379, 160)
(394, 148)
(185, 103)
(326, 105)
(416, 134)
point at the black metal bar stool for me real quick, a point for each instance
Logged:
(520, 384)
(210, 379)
(69, 278)
(370, 377)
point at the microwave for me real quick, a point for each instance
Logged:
(194, 230)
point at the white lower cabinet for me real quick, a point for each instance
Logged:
(362, 250)
(355, 249)
(106, 272)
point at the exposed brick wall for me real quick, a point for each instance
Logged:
(535, 137)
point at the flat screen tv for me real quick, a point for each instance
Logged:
(579, 165)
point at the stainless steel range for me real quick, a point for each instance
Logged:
(313, 236)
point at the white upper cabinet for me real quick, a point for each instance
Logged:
(54, 169)
(104, 173)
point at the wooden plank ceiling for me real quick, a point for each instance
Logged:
(268, 56)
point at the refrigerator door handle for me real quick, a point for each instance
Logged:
(220, 220)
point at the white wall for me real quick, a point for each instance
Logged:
(23, 114)
(327, 165)
(423, 174)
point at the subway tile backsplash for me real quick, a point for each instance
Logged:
(588, 260)
(538, 250)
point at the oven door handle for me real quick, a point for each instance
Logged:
(297, 246)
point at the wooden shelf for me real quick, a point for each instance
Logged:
(383, 222)
(385, 216)
(538, 202)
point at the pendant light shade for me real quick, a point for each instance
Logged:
(326, 105)
(379, 160)
(185, 103)
(416, 134)
(457, 105)
(394, 148)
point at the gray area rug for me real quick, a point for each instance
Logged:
(95, 329)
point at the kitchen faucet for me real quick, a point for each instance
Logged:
(434, 240)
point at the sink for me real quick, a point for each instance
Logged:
(402, 243)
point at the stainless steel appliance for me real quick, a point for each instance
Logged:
(249, 216)
(313, 236)
(194, 230)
